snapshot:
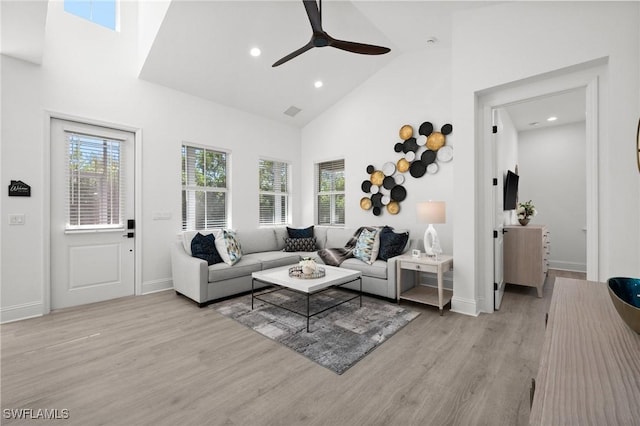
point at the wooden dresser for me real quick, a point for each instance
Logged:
(589, 372)
(526, 255)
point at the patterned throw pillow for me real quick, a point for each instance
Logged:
(300, 232)
(364, 246)
(300, 244)
(233, 246)
(391, 243)
(204, 247)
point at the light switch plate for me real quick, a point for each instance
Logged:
(16, 219)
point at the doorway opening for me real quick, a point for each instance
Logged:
(585, 80)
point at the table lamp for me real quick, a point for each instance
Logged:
(432, 212)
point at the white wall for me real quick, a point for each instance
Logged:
(91, 73)
(363, 128)
(509, 42)
(553, 174)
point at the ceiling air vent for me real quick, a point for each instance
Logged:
(292, 111)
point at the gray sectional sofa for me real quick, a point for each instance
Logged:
(262, 248)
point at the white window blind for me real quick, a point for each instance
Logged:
(330, 196)
(204, 188)
(273, 192)
(95, 189)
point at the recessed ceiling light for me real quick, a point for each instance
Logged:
(255, 52)
(318, 84)
(431, 40)
(534, 123)
(552, 118)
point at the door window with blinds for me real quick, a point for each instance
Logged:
(204, 188)
(95, 182)
(273, 192)
(330, 193)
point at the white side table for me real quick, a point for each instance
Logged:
(420, 293)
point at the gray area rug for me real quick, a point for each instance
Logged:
(339, 337)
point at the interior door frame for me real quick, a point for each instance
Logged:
(46, 199)
(585, 76)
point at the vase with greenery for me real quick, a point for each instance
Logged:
(525, 212)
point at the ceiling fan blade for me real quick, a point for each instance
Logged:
(293, 54)
(314, 15)
(364, 49)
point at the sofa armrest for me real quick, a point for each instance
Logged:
(391, 277)
(190, 274)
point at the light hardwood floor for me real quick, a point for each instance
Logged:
(159, 359)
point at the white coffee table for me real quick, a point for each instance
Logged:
(279, 277)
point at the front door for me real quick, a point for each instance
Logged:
(92, 199)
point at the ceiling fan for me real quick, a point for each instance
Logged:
(320, 38)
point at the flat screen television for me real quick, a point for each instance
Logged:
(511, 191)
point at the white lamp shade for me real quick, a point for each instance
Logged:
(432, 212)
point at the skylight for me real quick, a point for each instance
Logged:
(101, 12)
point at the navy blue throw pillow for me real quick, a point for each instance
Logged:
(300, 232)
(391, 243)
(204, 247)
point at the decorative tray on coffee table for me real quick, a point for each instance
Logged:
(296, 272)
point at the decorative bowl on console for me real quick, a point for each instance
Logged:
(625, 295)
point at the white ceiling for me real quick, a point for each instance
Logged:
(568, 107)
(202, 48)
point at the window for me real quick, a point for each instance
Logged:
(273, 192)
(95, 187)
(204, 188)
(101, 12)
(330, 192)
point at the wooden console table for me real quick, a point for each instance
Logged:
(589, 371)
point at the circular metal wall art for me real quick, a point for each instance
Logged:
(370, 169)
(397, 147)
(393, 207)
(417, 169)
(410, 156)
(421, 140)
(377, 211)
(398, 193)
(365, 203)
(389, 182)
(445, 154)
(377, 177)
(425, 128)
(374, 189)
(432, 168)
(428, 157)
(366, 186)
(388, 168)
(435, 141)
(406, 132)
(399, 179)
(403, 165)
(385, 200)
(376, 200)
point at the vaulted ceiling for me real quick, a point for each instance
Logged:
(201, 47)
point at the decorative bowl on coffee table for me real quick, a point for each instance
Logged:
(625, 295)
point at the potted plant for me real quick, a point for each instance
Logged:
(525, 211)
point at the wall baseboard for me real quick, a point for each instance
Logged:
(21, 312)
(153, 286)
(464, 306)
(568, 266)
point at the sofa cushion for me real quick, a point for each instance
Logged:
(257, 240)
(391, 243)
(300, 232)
(300, 244)
(364, 249)
(242, 268)
(204, 247)
(274, 259)
(377, 269)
